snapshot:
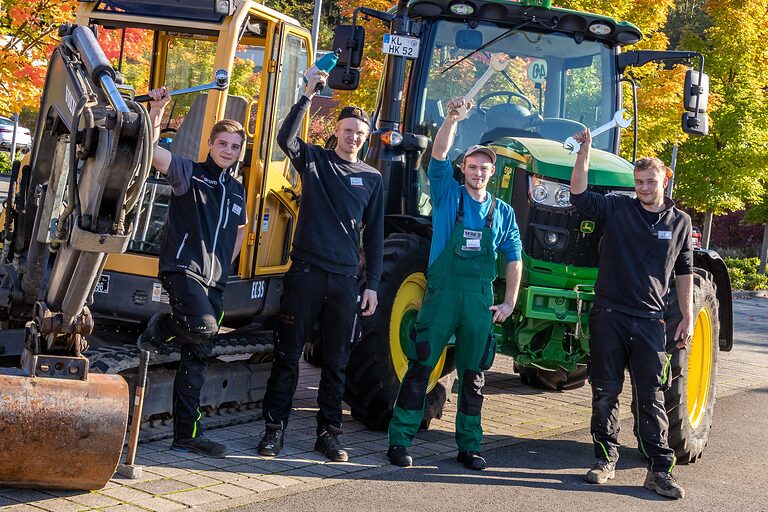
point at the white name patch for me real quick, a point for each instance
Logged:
(355, 181)
(473, 243)
(665, 235)
(236, 209)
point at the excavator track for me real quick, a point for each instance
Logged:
(238, 368)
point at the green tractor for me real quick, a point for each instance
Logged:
(562, 71)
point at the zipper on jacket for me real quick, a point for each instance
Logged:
(218, 226)
(226, 216)
(181, 245)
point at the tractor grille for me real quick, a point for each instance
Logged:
(540, 226)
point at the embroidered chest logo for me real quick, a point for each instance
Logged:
(207, 180)
(587, 227)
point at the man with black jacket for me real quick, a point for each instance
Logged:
(340, 197)
(203, 234)
(645, 240)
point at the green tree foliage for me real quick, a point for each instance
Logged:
(729, 168)
(303, 10)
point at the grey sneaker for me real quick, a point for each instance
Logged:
(200, 445)
(602, 471)
(328, 444)
(271, 442)
(663, 483)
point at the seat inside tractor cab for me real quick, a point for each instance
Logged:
(189, 136)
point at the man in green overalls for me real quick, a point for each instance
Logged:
(469, 226)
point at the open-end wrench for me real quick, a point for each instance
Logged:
(498, 63)
(220, 82)
(617, 121)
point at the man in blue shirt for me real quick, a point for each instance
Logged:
(470, 226)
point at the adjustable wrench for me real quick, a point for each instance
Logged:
(498, 63)
(220, 82)
(617, 121)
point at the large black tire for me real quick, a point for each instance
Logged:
(372, 381)
(690, 400)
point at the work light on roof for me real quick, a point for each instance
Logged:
(462, 9)
(224, 7)
(600, 29)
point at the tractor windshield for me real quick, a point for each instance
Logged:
(540, 85)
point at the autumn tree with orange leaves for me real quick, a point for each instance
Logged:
(28, 35)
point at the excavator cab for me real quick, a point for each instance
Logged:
(84, 217)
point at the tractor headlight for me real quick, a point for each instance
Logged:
(549, 193)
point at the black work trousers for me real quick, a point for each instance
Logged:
(618, 340)
(196, 312)
(311, 295)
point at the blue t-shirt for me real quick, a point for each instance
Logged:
(445, 192)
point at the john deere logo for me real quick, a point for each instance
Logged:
(587, 227)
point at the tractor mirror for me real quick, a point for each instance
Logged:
(696, 92)
(350, 39)
(344, 79)
(695, 124)
(469, 39)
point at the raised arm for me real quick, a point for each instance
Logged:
(447, 131)
(581, 167)
(161, 157)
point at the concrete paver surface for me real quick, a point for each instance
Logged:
(514, 414)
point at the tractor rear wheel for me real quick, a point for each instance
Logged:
(690, 400)
(378, 363)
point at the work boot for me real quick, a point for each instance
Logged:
(663, 483)
(399, 456)
(148, 341)
(602, 471)
(328, 444)
(471, 460)
(200, 445)
(271, 442)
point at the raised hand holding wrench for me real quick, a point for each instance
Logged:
(498, 63)
(617, 121)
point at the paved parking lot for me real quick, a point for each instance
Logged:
(512, 413)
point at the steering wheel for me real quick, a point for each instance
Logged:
(505, 94)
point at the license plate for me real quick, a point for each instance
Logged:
(102, 286)
(401, 45)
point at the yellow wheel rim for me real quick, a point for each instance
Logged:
(699, 367)
(405, 309)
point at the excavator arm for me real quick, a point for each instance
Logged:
(75, 205)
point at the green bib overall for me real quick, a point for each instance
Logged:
(457, 301)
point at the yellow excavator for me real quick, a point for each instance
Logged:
(82, 224)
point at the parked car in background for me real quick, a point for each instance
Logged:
(696, 236)
(23, 137)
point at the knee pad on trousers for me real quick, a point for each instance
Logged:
(471, 402)
(200, 329)
(414, 387)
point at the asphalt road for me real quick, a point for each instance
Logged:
(547, 475)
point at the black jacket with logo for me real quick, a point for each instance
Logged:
(637, 255)
(338, 199)
(206, 208)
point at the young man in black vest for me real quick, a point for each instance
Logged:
(203, 234)
(340, 195)
(645, 240)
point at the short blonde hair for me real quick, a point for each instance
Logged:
(228, 126)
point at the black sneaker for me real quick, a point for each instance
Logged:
(329, 445)
(271, 442)
(200, 445)
(663, 483)
(399, 456)
(471, 460)
(602, 471)
(153, 345)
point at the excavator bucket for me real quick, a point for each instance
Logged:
(61, 433)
